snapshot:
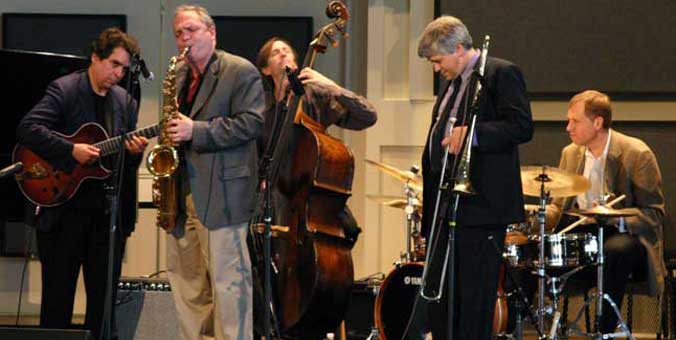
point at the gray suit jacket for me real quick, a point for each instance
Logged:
(221, 158)
(632, 170)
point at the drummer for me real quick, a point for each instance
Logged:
(627, 166)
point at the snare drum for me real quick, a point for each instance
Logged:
(569, 250)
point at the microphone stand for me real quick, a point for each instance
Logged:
(113, 189)
(281, 110)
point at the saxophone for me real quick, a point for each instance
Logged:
(162, 160)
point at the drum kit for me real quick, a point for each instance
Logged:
(551, 257)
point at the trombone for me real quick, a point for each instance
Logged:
(461, 187)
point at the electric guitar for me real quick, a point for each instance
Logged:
(48, 186)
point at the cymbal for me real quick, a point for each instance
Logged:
(557, 182)
(413, 180)
(394, 201)
(601, 211)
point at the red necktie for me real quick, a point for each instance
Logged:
(192, 90)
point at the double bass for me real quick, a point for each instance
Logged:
(310, 176)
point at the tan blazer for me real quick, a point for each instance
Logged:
(632, 170)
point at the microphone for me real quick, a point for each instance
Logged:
(147, 75)
(296, 85)
(11, 170)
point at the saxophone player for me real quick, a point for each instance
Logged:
(503, 122)
(221, 102)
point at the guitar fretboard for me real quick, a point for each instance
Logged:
(111, 145)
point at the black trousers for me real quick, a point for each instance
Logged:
(624, 255)
(477, 269)
(80, 239)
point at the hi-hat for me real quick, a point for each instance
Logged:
(394, 201)
(413, 180)
(601, 211)
(557, 182)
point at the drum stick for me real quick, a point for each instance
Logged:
(583, 219)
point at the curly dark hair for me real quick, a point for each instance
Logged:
(111, 38)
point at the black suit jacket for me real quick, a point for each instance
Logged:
(69, 103)
(504, 121)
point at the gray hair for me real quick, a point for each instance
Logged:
(442, 35)
(202, 12)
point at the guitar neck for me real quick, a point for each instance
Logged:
(111, 145)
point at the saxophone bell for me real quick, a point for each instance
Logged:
(162, 160)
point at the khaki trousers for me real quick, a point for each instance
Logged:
(210, 276)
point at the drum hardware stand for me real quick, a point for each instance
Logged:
(374, 334)
(600, 296)
(412, 221)
(523, 304)
(540, 272)
(556, 284)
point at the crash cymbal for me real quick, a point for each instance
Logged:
(413, 180)
(601, 211)
(394, 201)
(557, 182)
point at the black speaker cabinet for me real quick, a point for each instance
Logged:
(359, 316)
(143, 313)
(21, 333)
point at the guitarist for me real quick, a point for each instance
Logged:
(75, 233)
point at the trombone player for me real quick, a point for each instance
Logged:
(503, 122)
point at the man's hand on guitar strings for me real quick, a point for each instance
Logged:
(136, 144)
(85, 153)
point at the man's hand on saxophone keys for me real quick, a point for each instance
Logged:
(180, 129)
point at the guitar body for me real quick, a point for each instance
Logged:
(47, 186)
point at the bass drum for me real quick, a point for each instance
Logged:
(395, 300)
